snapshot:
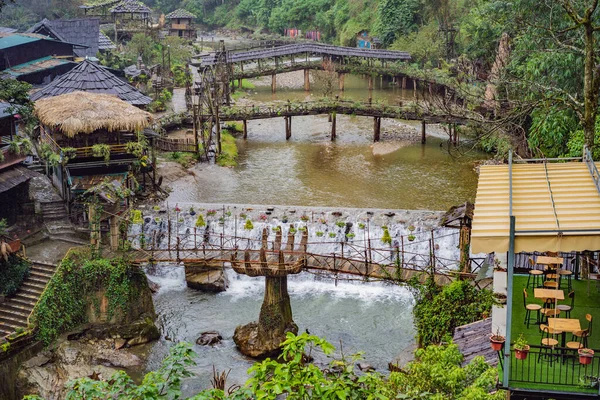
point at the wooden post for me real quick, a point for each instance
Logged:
(376, 128)
(403, 82)
(370, 82)
(333, 120)
(415, 89)
(240, 83)
(306, 79)
(341, 76)
(114, 232)
(273, 83)
(245, 128)
(288, 132)
(423, 137)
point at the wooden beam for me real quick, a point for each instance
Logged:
(423, 133)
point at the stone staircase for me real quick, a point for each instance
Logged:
(15, 310)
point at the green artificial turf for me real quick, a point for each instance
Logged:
(558, 375)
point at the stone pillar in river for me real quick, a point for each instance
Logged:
(263, 338)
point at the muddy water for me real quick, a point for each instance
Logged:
(311, 170)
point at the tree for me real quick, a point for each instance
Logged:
(3, 3)
(436, 373)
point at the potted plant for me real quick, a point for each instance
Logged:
(521, 348)
(497, 341)
(411, 237)
(585, 356)
(192, 211)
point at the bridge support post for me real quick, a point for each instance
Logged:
(245, 128)
(333, 132)
(370, 82)
(423, 133)
(240, 83)
(288, 127)
(306, 80)
(273, 83)
(341, 77)
(376, 128)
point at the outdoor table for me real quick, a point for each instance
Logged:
(564, 325)
(551, 262)
(556, 294)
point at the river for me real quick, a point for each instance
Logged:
(310, 170)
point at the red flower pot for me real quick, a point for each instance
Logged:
(497, 344)
(522, 354)
(586, 358)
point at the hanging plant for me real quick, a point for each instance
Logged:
(200, 221)
(340, 224)
(101, 151)
(386, 238)
(69, 153)
(361, 225)
(411, 237)
(320, 234)
(136, 217)
(332, 234)
(411, 228)
(248, 225)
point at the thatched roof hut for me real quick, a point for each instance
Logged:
(85, 112)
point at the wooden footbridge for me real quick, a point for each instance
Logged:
(277, 259)
(451, 114)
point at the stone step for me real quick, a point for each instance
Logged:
(38, 280)
(31, 298)
(16, 307)
(48, 269)
(34, 291)
(6, 330)
(5, 310)
(23, 301)
(13, 320)
(40, 275)
(30, 282)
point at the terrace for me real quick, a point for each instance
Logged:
(545, 215)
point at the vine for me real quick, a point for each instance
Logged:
(101, 151)
(79, 276)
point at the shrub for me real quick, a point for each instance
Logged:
(248, 225)
(386, 238)
(12, 273)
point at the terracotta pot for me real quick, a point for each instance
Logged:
(522, 354)
(497, 344)
(585, 358)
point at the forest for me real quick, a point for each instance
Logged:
(545, 80)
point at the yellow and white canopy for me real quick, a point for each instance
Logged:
(556, 208)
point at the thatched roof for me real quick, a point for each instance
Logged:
(84, 112)
(91, 77)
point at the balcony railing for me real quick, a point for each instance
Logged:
(80, 152)
(556, 370)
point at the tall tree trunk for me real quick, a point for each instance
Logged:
(590, 94)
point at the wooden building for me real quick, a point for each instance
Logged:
(34, 58)
(181, 23)
(84, 33)
(130, 17)
(14, 178)
(91, 77)
(96, 136)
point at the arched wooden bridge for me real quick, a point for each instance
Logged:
(307, 50)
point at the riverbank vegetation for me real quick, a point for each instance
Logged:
(229, 151)
(66, 302)
(436, 373)
(440, 309)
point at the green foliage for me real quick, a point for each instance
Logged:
(386, 238)
(520, 343)
(78, 277)
(396, 17)
(136, 217)
(439, 310)
(16, 93)
(200, 221)
(185, 159)
(101, 150)
(229, 151)
(138, 147)
(425, 46)
(437, 374)
(20, 146)
(248, 225)
(12, 273)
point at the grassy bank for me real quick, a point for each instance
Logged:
(229, 151)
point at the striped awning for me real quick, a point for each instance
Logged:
(556, 208)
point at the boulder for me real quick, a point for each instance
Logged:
(206, 277)
(364, 367)
(252, 344)
(209, 338)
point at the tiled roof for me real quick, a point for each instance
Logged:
(130, 6)
(41, 64)
(180, 13)
(83, 32)
(104, 43)
(90, 77)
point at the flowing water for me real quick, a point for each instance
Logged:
(310, 170)
(370, 317)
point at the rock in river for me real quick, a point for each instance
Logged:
(209, 338)
(206, 276)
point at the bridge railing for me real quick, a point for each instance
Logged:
(171, 240)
